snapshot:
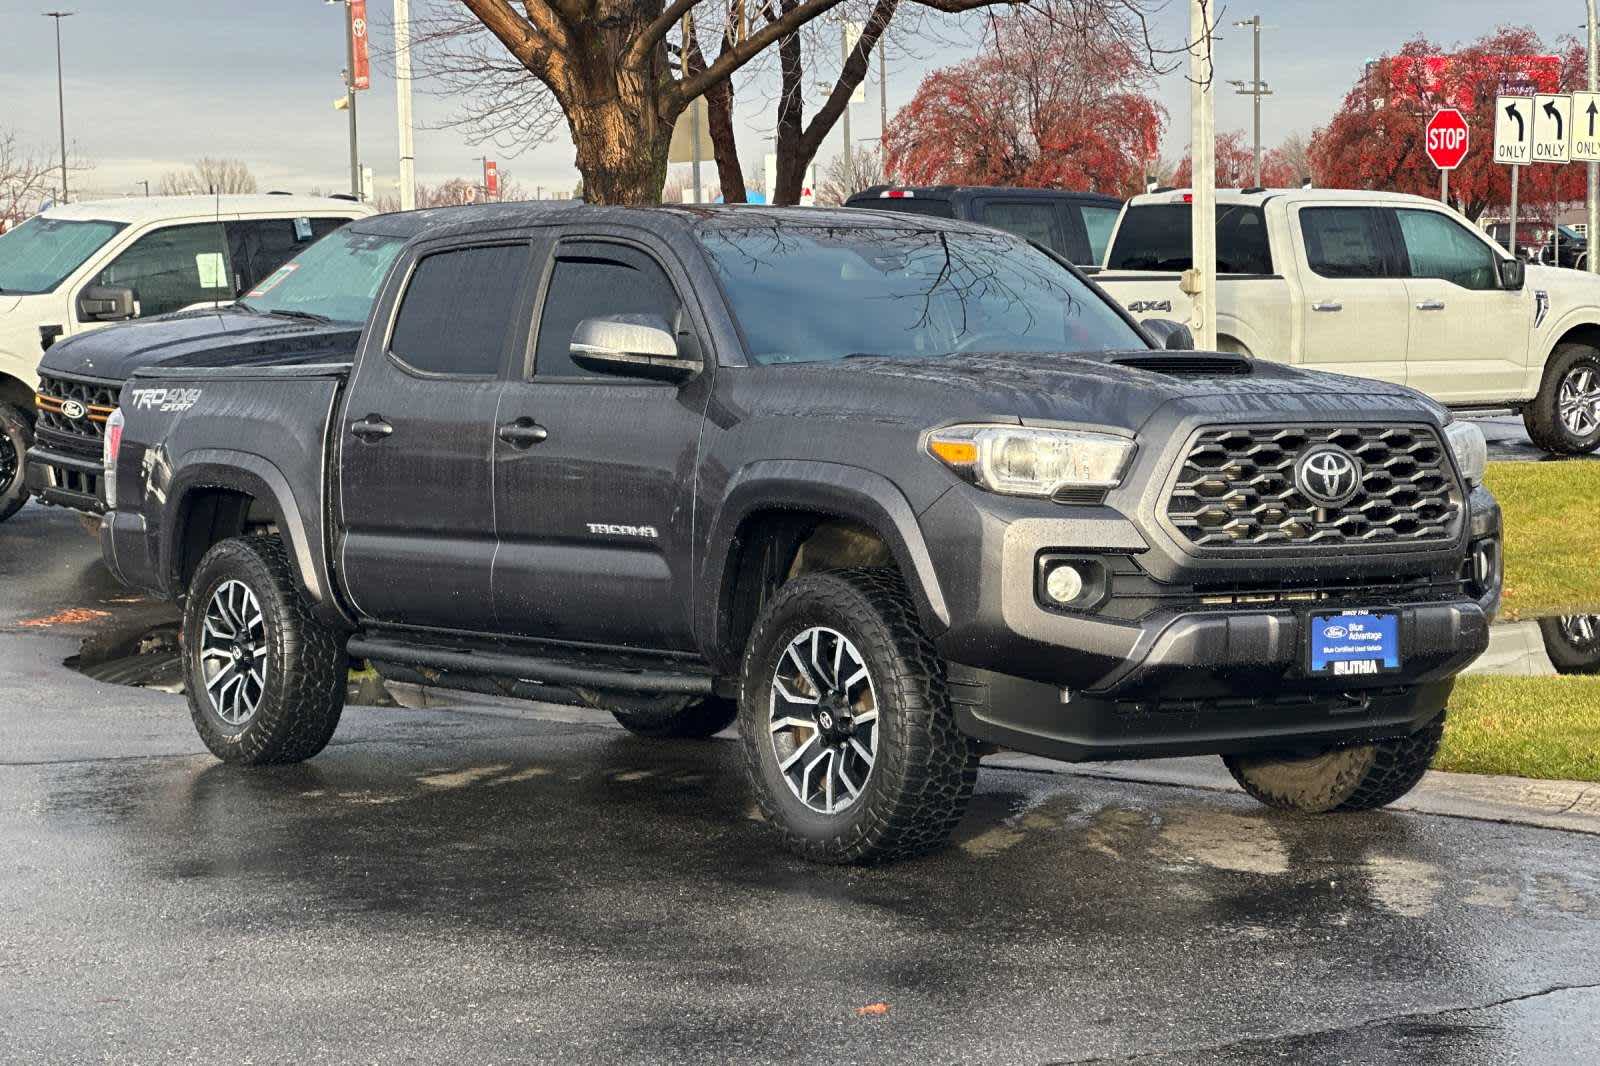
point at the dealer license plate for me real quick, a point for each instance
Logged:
(1354, 643)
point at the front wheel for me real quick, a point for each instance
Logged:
(849, 738)
(16, 434)
(1565, 417)
(1355, 777)
(265, 679)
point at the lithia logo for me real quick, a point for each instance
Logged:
(648, 532)
(165, 399)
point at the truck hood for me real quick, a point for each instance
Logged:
(225, 337)
(1095, 389)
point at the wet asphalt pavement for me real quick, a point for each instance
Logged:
(497, 884)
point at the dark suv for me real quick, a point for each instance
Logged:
(884, 488)
(1074, 225)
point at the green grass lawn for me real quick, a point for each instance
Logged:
(1552, 530)
(1545, 727)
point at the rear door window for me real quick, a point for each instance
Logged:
(1157, 237)
(460, 310)
(258, 246)
(1346, 242)
(1033, 220)
(174, 267)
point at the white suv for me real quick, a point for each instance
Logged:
(1381, 285)
(80, 266)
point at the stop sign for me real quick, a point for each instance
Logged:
(1447, 138)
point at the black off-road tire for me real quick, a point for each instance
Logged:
(1356, 777)
(16, 437)
(1542, 415)
(696, 720)
(925, 768)
(306, 666)
(1569, 651)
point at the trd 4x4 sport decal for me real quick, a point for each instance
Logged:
(164, 400)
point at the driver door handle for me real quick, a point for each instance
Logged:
(1327, 305)
(523, 433)
(1430, 305)
(371, 429)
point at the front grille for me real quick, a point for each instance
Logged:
(1235, 489)
(98, 398)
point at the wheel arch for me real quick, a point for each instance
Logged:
(214, 495)
(18, 393)
(781, 518)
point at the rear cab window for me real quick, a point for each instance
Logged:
(1156, 236)
(908, 205)
(460, 310)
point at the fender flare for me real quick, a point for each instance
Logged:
(837, 490)
(222, 468)
(1550, 336)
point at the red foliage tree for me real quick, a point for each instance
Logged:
(1375, 140)
(1041, 105)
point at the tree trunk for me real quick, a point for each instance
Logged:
(617, 123)
(792, 162)
(719, 113)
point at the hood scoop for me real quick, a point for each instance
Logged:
(1188, 365)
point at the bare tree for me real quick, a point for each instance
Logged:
(1295, 155)
(27, 179)
(843, 177)
(209, 175)
(607, 68)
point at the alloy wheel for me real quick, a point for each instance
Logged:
(824, 720)
(10, 462)
(1579, 401)
(233, 653)
(1581, 630)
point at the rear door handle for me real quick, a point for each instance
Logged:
(371, 429)
(1430, 305)
(1327, 305)
(523, 433)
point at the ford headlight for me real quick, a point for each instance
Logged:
(1020, 461)
(1471, 450)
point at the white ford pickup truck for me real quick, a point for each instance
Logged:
(1379, 285)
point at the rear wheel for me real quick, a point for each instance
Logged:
(265, 679)
(1356, 777)
(16, 434)
(1565, 417)
(849, 739)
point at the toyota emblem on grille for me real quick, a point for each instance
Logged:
(1328, 476)
(73, 409)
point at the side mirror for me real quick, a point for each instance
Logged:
(639, 346)
(1512, 274)
(106, 303)
(1170, 335)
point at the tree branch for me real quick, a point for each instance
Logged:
(658, 29)
(853, 74)
(533, 40)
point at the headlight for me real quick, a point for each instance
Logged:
(1471, 450)
(1019, 461)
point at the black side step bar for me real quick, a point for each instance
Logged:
(530, 668)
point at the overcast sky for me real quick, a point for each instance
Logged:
(151, 84)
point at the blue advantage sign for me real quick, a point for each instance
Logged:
(1354, 643)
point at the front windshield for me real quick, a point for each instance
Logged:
(335, 279)
(813, 293)
(39, 254)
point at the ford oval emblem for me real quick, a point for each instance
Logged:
(1335, 632)
(73, 409)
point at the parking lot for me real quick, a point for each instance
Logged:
(489, 882)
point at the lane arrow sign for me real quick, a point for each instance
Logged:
(1516, 116)
(1552, 127)
(1555, 116)
(1585, 142)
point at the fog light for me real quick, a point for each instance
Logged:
(1063, 583)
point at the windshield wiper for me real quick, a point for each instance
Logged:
(309, 316)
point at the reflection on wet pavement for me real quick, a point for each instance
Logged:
(1542, 647)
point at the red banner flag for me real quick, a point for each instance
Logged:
(361, 66)
(491, 180)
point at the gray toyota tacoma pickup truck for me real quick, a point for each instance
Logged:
(888, 490)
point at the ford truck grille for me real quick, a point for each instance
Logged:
(1236, 489)
(60, 398)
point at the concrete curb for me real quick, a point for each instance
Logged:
(1570, 806)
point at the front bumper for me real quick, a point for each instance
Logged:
(1184, 657)
(65, 479)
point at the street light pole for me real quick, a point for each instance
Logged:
(350, 98)
(844, 57)
(402, 89)
(61, 98)
(1257, 89)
